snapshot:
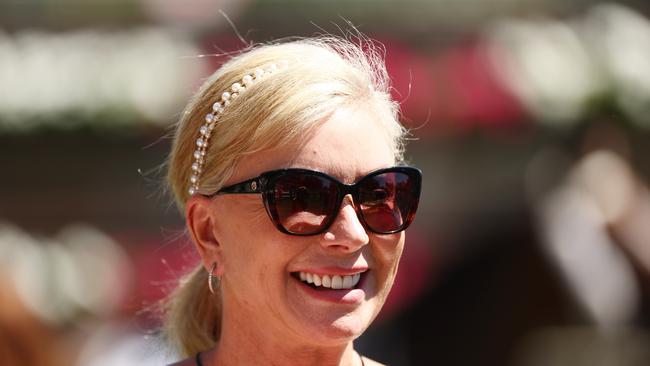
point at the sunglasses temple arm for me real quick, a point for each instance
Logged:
(248, 186)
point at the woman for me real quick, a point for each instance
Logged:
(285, 165)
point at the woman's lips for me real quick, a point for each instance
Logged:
(346, 289)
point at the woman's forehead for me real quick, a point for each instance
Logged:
(346, 146)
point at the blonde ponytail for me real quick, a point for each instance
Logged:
(193, 314)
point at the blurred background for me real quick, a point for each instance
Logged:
(530, 120)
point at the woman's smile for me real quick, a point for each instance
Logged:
(333, 284)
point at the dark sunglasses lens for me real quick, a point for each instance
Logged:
(388, 201)
(304, 203)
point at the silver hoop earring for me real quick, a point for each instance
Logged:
(212, 278)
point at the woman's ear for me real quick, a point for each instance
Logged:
(201, 225)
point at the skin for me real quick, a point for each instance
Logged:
(268, 318)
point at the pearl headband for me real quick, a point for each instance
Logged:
(211, 119)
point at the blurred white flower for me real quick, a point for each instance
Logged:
(82, 271)
(140, 75)
(620, 38)
(547, 66)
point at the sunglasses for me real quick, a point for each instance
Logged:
(306, 202)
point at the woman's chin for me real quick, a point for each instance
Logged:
(331, 327)
(339, 332)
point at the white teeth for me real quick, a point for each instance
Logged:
(347, 281)
(335, 282)
(327, 281)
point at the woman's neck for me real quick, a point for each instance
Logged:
(241, 345)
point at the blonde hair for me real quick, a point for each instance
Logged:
(323, 74)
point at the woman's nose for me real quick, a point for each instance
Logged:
(346, 233)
